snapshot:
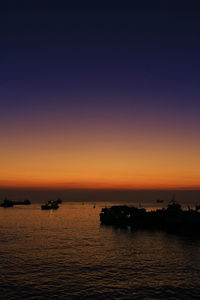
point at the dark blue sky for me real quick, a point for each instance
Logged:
(132, 47)
(105, 55)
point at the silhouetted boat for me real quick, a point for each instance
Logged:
(25, 202)
(7, 203)
(50, 205)
(159, 201)
(10, 203)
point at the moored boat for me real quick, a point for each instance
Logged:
(7, 203)
(50, 205)
(10, 203)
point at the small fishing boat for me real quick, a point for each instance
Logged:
(50, 205)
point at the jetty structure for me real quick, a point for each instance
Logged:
(173, 218)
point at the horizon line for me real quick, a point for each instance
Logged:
(169, 188)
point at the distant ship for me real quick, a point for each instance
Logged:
(10, 203)
(7, 203)
(159, 201)
(25, 202)
(50, 205)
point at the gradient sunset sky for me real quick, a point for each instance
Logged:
(100, 94)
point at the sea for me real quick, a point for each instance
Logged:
(68, 254)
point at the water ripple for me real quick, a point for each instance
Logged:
(68, 255)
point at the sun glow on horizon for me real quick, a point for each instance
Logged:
(114, 152)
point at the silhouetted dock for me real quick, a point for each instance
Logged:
(174, 218)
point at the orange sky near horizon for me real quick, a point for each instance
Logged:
(154, 157)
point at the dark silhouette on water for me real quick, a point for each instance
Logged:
(10, 203)
(25, 202)
(172, 219)
(7, 203)
(59, 200)
(197, 207)
(50, 205)
(159, 201)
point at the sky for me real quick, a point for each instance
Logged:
(100, 94)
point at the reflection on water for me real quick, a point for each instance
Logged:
(68, 255)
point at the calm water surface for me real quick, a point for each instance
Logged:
(66, 254)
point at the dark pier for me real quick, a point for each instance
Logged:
(173, 219)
